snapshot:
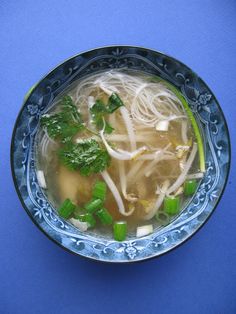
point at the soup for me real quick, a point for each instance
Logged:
(119, 151)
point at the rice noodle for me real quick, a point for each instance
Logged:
(129, 126)
(150, 110)
(45, 142)
(108, 91)
(155, 155)
(124, 138)
(115, 193)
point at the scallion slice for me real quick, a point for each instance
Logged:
(88, 218)
(104, 216)
(99, 190)
(190, 187)
(93, 205)
(120, 230)
(171, 205)
(78, 211)
(66, 209)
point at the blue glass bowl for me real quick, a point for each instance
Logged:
(207, 113)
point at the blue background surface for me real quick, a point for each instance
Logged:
(36, 276)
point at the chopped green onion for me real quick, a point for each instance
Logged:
(171, 205)
(99, 190)
(104, 216)
(88, 218)
(114, 102)
(120, 230)
(99, 111)
(66, 209)
(190, 187)
(93, 205)
(78, 211)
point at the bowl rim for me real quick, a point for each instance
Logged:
(30, 91)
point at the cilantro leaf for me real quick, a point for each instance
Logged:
(87, 157)
(64, 124)
(99, 110)
(114, 102)
(99, 107)
(108, 128)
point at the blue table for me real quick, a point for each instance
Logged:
(36, 276)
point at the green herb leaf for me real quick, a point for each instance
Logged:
(88, 218)
(64, 124)
(99, 111)
(104, 216)
(87, 157)
(114, 103)
(99, 108)
(66, 209)
(108, 128)
(99, 190)
(120, 230)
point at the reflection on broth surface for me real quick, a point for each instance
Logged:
(122, 146)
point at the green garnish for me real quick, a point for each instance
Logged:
(87, 218)
(78, 211)
(99, 111)
(120, 230)
(93, 205)
(196, 130)
(87, 157)
(104, 216)
(99, 190)
(64, 124)
(190, 187)
(171, 205)
(66, 209)
(114, 102)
